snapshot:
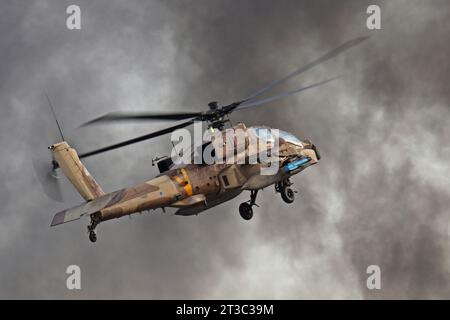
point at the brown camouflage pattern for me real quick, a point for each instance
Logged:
(75, 171)
(192, 188)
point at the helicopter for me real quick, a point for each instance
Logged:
(192, 187)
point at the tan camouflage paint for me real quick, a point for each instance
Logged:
(183, 187)
(156, 193)
(75, 171)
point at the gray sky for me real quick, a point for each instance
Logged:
(380, 194)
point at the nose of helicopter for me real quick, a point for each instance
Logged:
(307, 156)
(308, 145)
(313, 146)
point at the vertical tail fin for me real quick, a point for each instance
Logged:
(69, 162)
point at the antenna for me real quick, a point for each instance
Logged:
(54, 116)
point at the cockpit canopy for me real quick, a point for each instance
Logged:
(268, 134)
(239, 145)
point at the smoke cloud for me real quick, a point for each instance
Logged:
(380, 194)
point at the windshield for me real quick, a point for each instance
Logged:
(267, 134)
(289, 137)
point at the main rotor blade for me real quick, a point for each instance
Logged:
(246, 105)
(347, 45)
(138, 139)
(125, 116)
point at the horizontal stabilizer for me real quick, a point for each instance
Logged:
(84, 209)
(187, 202)
(204, 205)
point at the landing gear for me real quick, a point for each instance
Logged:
(92, 236)
(246, 208)
(91, 228)
(287, 194)
(246, 211)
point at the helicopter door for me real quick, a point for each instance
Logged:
(231, 178)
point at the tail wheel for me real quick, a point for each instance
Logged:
(246, 211)
(287, 194)
(92, 236)
(95, 220)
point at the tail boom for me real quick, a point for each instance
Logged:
(156, 193)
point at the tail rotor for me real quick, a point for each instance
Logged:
(49, 177)
(46, 169)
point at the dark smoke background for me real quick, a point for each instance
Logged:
(380, 194)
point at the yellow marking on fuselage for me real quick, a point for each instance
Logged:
(180, 181)
(188, 186)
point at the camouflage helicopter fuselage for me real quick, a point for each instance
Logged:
(191, 188)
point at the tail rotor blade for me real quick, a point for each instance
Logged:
(46, 134)
(48, 178)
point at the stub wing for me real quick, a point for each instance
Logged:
(84, 209)
(190, 201)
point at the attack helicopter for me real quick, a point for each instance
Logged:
(193, 187)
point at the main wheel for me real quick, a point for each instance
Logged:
(287, 194)
(92, 236)
(246, 211)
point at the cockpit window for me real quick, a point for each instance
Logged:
(289, 137)
(268, 134)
